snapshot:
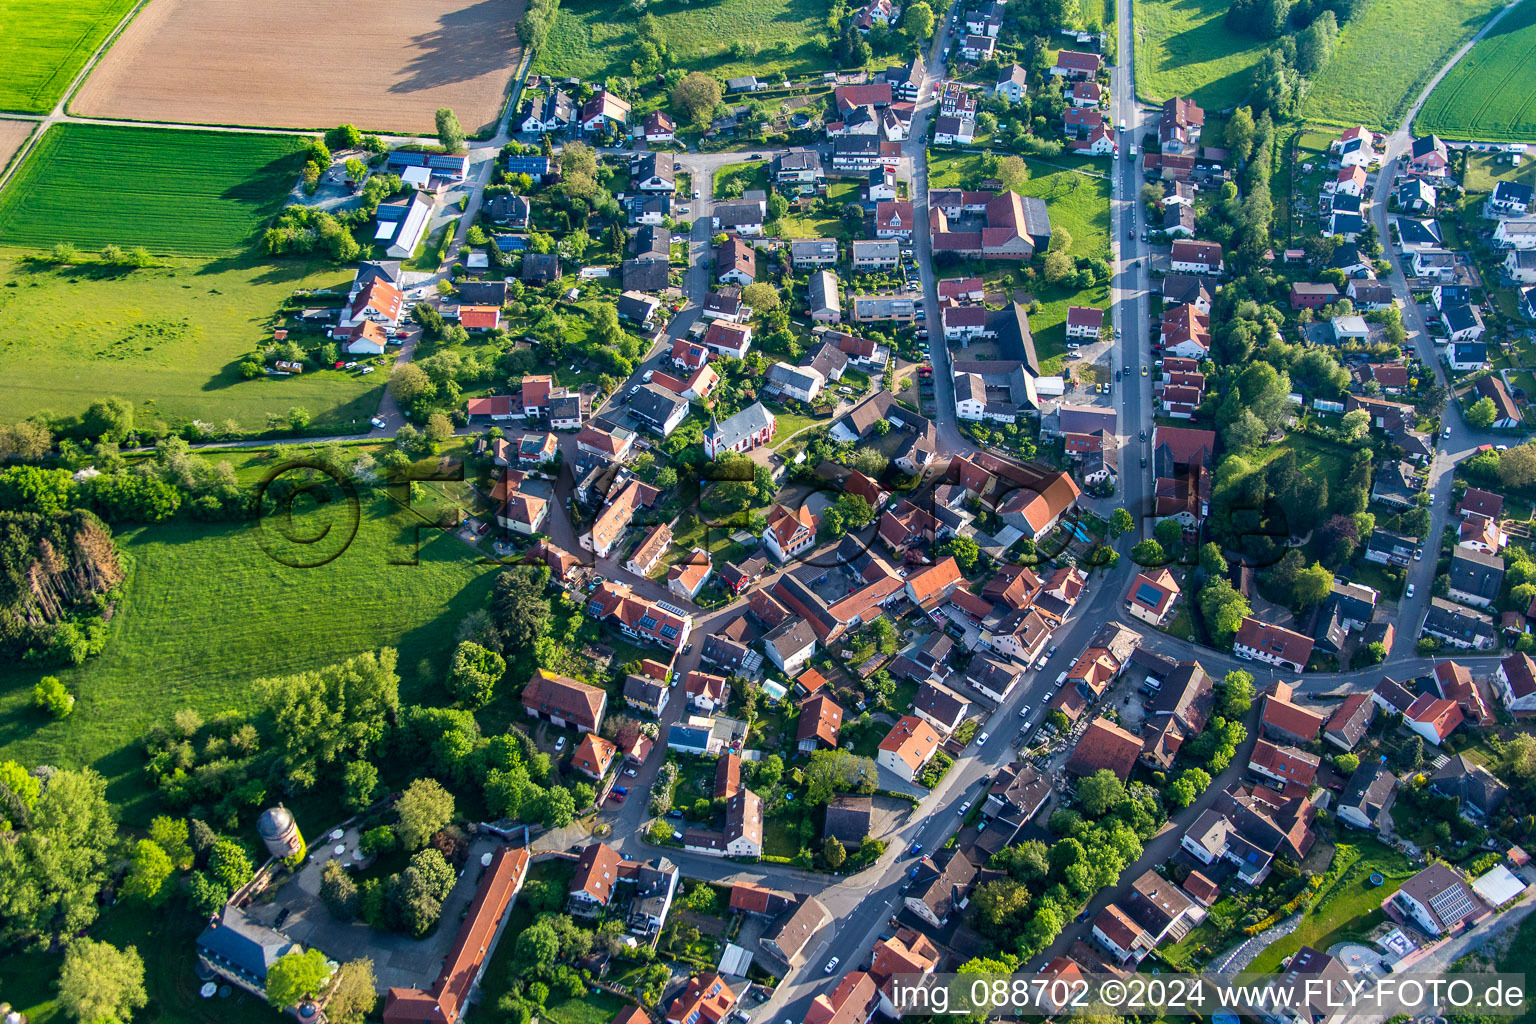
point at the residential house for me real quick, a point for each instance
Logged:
(826, 305)
(1366, 802)
(790, 645)
(1292, 768)
(687, 577)
(1506, 412)
(940, 891)
(820, 720)
(908, 747)
(939, 706)
(894, 219)
(728, 339)
(1012, 83)
(1274, 645)
(638, 618)
(564, 702)
(1475, 576)
(1349, 721)
(1479, 794)
(1104, 745)
(1458, 626)
(1514, 682)
(875, 255)
(658, 408)
(1285, 721)
(1438, 901)
(1433, 718)
(1152, 596)
(789, 532)
(735, 262)
(1076, 66)
(1195, 257)
(1515, 233)
(1428, 158)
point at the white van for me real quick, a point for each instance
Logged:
(1061, 679)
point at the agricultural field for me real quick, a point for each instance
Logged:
(208, 611)
(1377, 69)
(1491, 93)
(1183, 48)
(282, 65)
(12, 135)
(44, 44)
(589, 42)
(173, 192)
(168, 339)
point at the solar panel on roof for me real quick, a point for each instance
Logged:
(1452, 905)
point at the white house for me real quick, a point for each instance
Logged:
(1515, 683)
(1515, 233)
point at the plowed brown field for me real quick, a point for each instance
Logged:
(384, 67)
(12, 135)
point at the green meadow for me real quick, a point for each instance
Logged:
(44, 44)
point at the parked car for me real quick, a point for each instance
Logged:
(831, 965)
(559, 744)
(965, 806)
(981, 740)
(631, 772)
(1024, 711)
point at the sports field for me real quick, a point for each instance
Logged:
(1378, 69)
(44, 43)
(12, 135)
(170, 340)
(1491, 93)
(1183, 48)
(179, 192)
(590, 42)
(207, 611)
(310, 64)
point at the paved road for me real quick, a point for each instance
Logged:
(1462, 439)
(1131, 286)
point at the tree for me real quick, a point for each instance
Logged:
(1347, 762)
(559, 807)
(1000, 904)
(1189, 785)
(1099, 792)
(1517, 759)
(1212, 563)
(519, 607)
(296, 977)
(769, 771)
(1121, 522)
(1312, 587)
(327, 716)
(1239, 134)
(917, 22)
(1169, 533)
(170, 834)
(1223, 607)
(1314, 45)
(337, 891)
(449, 132)
(52, 872)
(1236, 694)
(578, 158)
(833, 853)
(354, 994)
(538, 946)
(1355, 424)
(778, 206)
(964, 551)
(343, 136)
(1149, 553)
(424, 808)
(101, 984)
(411, 384)
(149, 874)
(696, 96)
(1058, 266)
(1013, 172)
(360, 781)
(1517, 466)
(761, 296)
(473, 676)
(1482, 413)
(108, 419)
(439, 428)
(50, 695)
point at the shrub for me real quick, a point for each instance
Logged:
(52, 696)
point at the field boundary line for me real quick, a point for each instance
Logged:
(62, 108)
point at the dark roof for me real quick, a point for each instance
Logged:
(1476, 572)
(238, 943)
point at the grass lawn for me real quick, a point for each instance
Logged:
(816, 225)
(179, 192)
(1313, 458)
(1484, 170)
(1378, 69)
(1491, 93)
(1077, 202)
(168, 339)
(164, 939)
(44, 44)
(208, 611)
(789, 423)
(1184, 48)
(1347, 905)
(775, 37)
(778, 839)
(752, 174)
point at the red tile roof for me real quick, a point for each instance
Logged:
(1104, 745)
